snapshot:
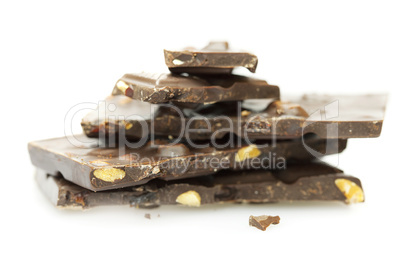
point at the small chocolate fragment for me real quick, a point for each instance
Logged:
(354, 116)
(88, 163)
(147, 216)
(216, 58)
(262, 222)
(161, 88)
(299, 182)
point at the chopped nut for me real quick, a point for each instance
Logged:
(156, 170)
(245, 113)
(189, 198)
(80, 200)
(109, 174)
(177, 62)
(128, 125)
(244, 153)
(121, 85)
(350, 190)
(262, 222)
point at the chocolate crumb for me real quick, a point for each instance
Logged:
(262, 222)
(148, 216)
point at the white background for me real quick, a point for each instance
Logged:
(54, 55)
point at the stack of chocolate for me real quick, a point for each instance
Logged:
(202, 135)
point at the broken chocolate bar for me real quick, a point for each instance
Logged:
(262, 222)
(216, 58)
(354, 116)
(88, 163)
(161, 88)
(307, 182)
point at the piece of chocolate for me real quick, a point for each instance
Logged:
(299, 182)
(354, 116)
(262, 222)
(161, 88)
(216, 58)
(88, 163)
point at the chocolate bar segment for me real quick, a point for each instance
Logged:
(343, 116)
(299, 182)
(336, 116)
(162, 88)
(88, 163)
(215, 58)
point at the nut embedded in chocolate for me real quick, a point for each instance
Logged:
(109, 174)
(248, 152)
(353, 192)
(189, 198)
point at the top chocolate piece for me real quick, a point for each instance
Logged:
(215, 58)
(161, 88)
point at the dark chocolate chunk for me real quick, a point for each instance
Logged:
(216, 58)
(354, 116)
(161, 88)
(262, 222)
(306, 182)
(88, 163)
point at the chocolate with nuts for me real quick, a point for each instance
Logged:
(354, 116)
(162, 88)
(216, 58)
(85, 162)
(299, 182)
